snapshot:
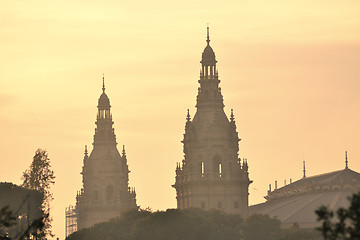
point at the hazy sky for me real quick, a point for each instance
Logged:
(289, 69)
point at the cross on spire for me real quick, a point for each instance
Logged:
(103, 87)
(208, 37)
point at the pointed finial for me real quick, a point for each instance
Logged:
(346, 161)
(103, 88)
(208, 35)
(232, 115)
(86, 151)
(123, 151)
(304, 170)
(188, 118)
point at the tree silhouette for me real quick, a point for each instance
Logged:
(40, 177)
(342, 224)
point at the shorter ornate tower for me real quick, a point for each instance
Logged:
(211, 176)
(106, 192)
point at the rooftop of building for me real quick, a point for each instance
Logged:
(297, 201)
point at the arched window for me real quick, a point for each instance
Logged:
(220, 172)
(107, 114)
(202, 169)
(217, 166)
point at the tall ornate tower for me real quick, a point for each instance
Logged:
(106, 192)
(211, 174)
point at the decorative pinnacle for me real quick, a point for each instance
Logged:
(86, 151)
(346, 160)
(304, 170)
(103, 88)
(123, 151)
(232, 115)
(208, 38)
(188, 118)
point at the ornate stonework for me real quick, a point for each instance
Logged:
(106, 192)
(211, 174)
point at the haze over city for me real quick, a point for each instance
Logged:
(290, 71)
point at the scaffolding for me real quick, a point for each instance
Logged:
(70, 220)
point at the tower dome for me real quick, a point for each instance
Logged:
(104, 102)
(208, 55)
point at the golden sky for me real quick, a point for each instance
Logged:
(289, 69)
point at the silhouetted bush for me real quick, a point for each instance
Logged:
(188, 224)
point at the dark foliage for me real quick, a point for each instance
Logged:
(170, 224)
(188, 224)
(295, 233)
(40, 177)
(342, 224)
(7, 219)
(262, 227)
(20, 211)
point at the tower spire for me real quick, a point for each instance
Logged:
(208, 35)
(304, 170)
(103, 87)
(346, 161)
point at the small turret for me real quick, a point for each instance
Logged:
(346, 161)
(124, 152)
(104, 104)
(245, 166)
(304, 170)
(269, 191)
(188, 118)
(104, 132)
(86, 156)
(208, 59)
(232, 118)
(133, 193)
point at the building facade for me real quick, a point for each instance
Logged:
(106, 192)
(295, 203)
(211, 175)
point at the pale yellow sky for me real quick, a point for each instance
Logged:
(289, 69)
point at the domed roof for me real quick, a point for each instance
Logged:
(297, 202)
(300, 209)
(104, 102)
(208, 56)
